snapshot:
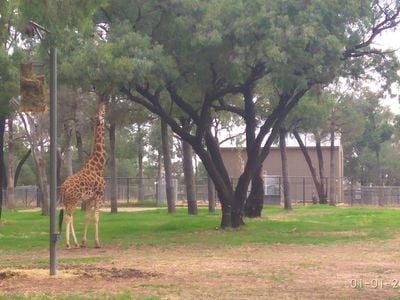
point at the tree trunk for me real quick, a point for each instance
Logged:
(378, 168)
(189, 178)
(286, 187)
(34, 133)
(41, 178)
(79, 147)
(211, 195)
(20, 165)
(140, 164)
(2, 166)
(239, 199)
(167, 167)
(318, 186)
(66, 149)
(321, 190)
(213, 163)
(11, 168)
(332, 179)
(113, 170)
(58, 170)
(68, 161)
(255, 201)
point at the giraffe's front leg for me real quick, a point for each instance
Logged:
(67, 230)
(96, 228)
(87, 220)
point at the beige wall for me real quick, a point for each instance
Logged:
(299, 173)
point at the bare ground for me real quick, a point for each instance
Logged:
(362, 270)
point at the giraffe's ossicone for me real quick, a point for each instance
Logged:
(87, 184)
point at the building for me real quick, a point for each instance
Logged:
(300, 180)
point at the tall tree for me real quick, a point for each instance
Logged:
(8, 76)
(194, 54)
(37, 137)
(189, 178)
(318, 104)
(363, 152)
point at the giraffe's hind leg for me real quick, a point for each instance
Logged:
(68, 218)
(76, 244)
(88, 216)
(96, 228)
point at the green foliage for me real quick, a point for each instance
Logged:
(313, 113)
(305, 225)
(9, 80)
(61, 18)
(377, 131)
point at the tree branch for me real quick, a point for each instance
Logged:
(389, 21)
(233, 109)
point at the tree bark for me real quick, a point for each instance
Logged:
(189, 178)
(255, 201)
(211, 195)
(285, 173)
(2, 166)
(11, 168)
(167, 167)
(113, 170)
(239, 199)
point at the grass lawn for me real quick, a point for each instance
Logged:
(279, 253)
(21, 231)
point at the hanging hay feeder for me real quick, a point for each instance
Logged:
(33, 90)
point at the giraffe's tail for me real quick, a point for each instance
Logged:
(60, 219)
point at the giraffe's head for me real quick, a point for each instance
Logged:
(101, 112)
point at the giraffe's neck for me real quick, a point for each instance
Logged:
(97, 158)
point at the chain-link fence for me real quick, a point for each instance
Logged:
(130, 190)
(372, 195)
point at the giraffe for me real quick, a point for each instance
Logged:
(87, 184)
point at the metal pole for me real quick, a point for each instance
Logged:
(53, 160)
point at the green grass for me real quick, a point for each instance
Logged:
(22, 231)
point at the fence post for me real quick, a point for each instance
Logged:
(304, 191)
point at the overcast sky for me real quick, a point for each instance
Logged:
(391, 39)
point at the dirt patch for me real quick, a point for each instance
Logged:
(7, 274)
(97, 272)
(86, 271)
(361, 270)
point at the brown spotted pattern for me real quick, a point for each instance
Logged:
(87, 184)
